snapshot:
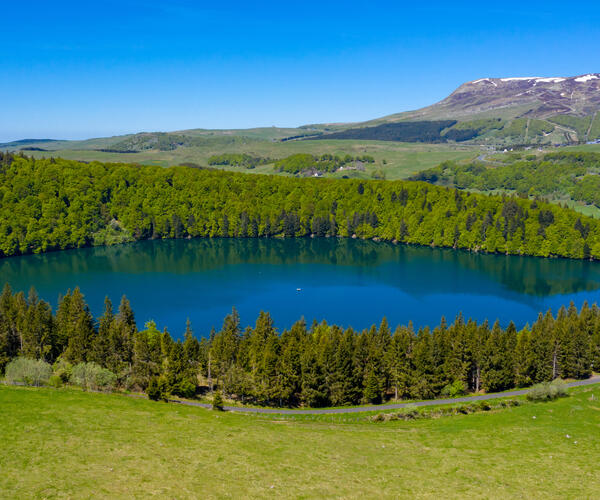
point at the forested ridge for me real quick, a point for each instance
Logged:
(555, 175)
(319, 365)
(54, 204)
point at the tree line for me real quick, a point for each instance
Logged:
(239, 160)
(556, 176)
(54, 204)
(316, 365)
(306, 163)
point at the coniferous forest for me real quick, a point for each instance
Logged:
(54, 204)
(310, 365)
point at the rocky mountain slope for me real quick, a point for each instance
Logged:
(539, 110)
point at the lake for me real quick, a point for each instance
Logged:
(348, 282)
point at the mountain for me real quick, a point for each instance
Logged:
(491, 111)
(501, 110)
(533, 97)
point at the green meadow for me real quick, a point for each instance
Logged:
(396, 159)
(64, 443)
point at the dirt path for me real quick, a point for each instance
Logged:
(587, 134)
(393, 406)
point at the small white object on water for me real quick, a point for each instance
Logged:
(298, 289)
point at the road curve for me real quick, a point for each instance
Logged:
(393, 406)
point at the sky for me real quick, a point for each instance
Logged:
(78, 69)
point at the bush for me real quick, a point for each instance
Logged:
(409, 412)
(63, 369)
(185, 389)
(484, 406)
(91, 376)
(456, 388)
(548, 391)
(28, 372)
(217, 403)
(157, 389)
(55, 381)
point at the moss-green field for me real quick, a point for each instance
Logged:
(69, 444)
(401, 159)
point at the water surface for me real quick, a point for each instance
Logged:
(347, 282)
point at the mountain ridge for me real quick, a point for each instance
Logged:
(506, 110)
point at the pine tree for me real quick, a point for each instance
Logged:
(191, 352)
(217, 403)
(398, 361)
(37, 329)
(100, 351)
(77, 323)
(372, 392)
(9, 335)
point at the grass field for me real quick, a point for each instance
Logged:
(65, 443)
(402, 159)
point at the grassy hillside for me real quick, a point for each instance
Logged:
(401, 159)
(64, 443)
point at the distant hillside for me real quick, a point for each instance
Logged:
(528, 110)
(499, 112)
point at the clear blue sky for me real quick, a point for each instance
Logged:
(86, 69)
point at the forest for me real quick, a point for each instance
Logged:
(425, 131)
(317, 365)
(238, 160)
(55, 204)
(306, 163)
(555, 176)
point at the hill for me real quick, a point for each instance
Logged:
(61, 442)
(491, 112)
(521, 110)
(57, 204)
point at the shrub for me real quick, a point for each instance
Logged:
(55, 381)
(484, 406)
(91, 376)
(185, 389)
(217, 403)
(559, 388)
(456, 388)
(464, 409)
(157, 389)
(28, 372)
(547, 391)
(409, 412)
(62, 369)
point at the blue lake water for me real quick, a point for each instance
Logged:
(348, 282)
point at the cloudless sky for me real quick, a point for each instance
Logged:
(79, 69)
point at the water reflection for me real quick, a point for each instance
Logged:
(237, 271)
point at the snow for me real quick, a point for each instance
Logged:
(487, 80)
(586, 78)
(538, 79)
(520, 78)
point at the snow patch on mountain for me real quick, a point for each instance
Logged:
(551, 80)
(519, 78)
(586, 78)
